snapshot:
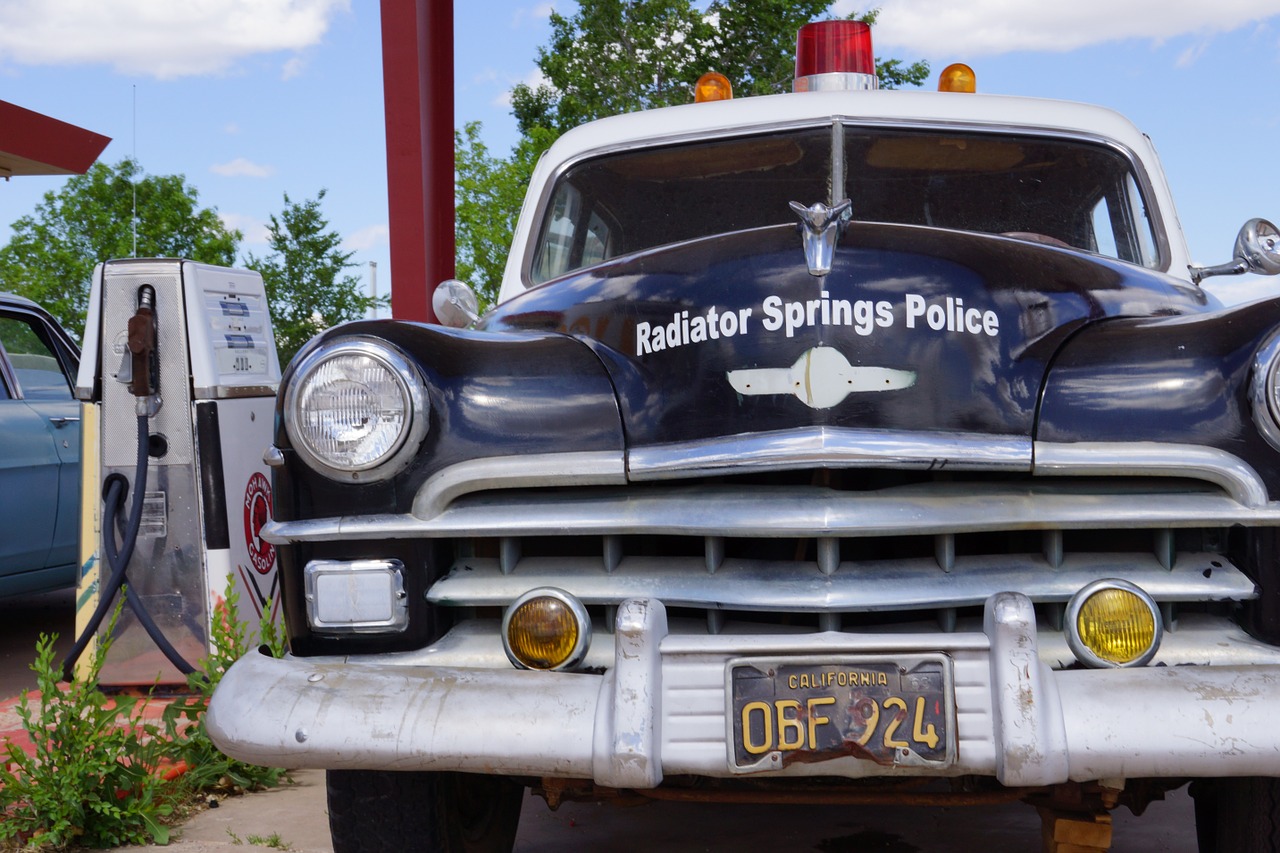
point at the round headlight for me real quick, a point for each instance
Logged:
(1111, 623)
(546, 628)
(1264, 390)
(355, 410)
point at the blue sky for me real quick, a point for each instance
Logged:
(252, 99)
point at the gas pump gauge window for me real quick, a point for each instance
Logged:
(356, 410)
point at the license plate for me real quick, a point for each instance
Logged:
(889, 710)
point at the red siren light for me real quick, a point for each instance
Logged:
(834, 47)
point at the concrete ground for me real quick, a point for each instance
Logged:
(296, 816)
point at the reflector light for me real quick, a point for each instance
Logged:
(712, 86)
(834, 47)
(957, 77)
(546, 629)
(1113, 623)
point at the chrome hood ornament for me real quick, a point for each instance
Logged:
(821, 378)
(819, 227)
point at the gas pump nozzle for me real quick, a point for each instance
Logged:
(144, 376)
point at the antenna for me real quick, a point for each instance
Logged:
(133, 179)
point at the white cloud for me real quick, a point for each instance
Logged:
(242, 168)
(254, 230)
(1233, 290)
(292, 68)
(533, 80)
(532, 14)
(231, 128)
(159, 39)
(368, 237)
(942, 29)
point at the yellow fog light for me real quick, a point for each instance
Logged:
(1113, 623)
(546, 628)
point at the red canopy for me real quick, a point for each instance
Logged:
(35, 144)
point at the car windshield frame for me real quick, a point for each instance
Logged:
(1131, 209)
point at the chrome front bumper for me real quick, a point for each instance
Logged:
(661, 709)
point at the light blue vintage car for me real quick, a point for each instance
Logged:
(39, 450)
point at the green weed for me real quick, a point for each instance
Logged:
(93, 779)
(90, 781)
(273, 841)
(207, 768)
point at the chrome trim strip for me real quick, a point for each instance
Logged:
(229, 392)
(1153, 459)
(837, 447)
(766, 512)
(856, 587)
(588, 468)
(1200, 639)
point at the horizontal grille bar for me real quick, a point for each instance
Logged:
(850, 586)
(779, 511)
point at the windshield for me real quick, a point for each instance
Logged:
(1055, 191)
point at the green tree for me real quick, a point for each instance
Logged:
(307, 289)
(52, 252)
(617, 56)
(488, 194)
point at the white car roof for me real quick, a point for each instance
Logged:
(646, 128)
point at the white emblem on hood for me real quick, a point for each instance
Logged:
(821, 378)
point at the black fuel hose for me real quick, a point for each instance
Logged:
(118, 560)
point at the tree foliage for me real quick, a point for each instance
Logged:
(307, 289)
(52, 252)
(488, 195)
(617, 56)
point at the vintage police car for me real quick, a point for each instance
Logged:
(848, 445)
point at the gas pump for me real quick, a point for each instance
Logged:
(177, 386)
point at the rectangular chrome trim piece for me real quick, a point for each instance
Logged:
(835, 447)
(356, 596)
(853, 587)
(596, 468)
(1153, 459)
(766, 512)
(228, 392)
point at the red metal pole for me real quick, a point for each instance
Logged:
(417, 75)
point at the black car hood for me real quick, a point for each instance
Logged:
(913, 329)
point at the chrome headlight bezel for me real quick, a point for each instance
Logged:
(1077, 645)
(406, 379)
(1264, 392)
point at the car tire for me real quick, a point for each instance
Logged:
(1237, 815)
(373, 810)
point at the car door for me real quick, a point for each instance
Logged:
(39, 453)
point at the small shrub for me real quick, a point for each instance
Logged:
(96, 777)
(207, 768)
(90, 781)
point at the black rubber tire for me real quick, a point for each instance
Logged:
(371, 811)
(1237, 815)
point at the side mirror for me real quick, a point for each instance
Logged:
(455, 304)
(1257, 251)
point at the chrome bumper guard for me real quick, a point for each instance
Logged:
(661, 709)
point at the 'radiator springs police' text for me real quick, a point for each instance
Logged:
(864, 316)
